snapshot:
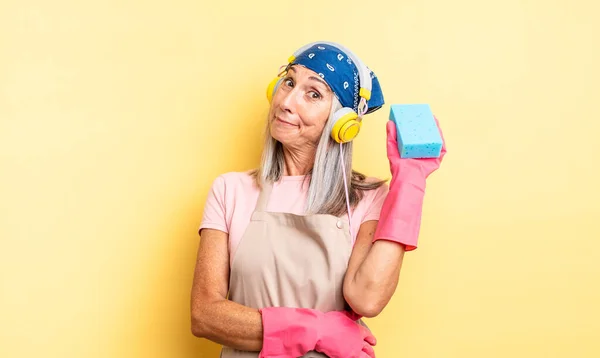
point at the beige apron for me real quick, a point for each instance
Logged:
(289, 260)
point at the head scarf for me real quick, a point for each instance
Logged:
(341, 74)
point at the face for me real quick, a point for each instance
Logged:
(300, 108)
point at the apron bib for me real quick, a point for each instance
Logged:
(289, 260)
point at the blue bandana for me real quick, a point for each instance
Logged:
(341, 74)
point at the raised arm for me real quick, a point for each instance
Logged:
(374, 266)
(373, 272)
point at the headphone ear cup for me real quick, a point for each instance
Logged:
(346, 125)
(272, 87)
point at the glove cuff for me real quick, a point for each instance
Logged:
(400, 218)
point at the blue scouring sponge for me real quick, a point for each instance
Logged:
(418, 133)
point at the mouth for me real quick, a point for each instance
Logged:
(278, 119)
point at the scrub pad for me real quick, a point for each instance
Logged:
(418, 133)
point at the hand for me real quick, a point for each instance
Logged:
(400, 218)
(413, 170)
(293, 332)
(342, 337)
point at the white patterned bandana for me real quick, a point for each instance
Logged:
(341, 74)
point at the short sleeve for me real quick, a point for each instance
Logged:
(215, 211)
(374, 209)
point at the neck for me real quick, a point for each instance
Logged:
(298, 162)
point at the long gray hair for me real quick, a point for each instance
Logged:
(326, 193)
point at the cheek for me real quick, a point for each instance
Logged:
(321, 118)
(315, 126)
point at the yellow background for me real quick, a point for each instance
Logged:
(115, 117)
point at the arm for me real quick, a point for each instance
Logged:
(374, 266)
(373, 272)
(274, 331)
(285, 332)
(214, 317)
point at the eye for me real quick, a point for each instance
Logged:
(315, 95)
(288, 82)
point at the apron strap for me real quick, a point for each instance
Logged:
(263, 197)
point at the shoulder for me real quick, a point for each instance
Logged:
(228, 187)
(375, 187)
(373, 193)
(235, 179)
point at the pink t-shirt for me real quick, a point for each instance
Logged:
(233, 196)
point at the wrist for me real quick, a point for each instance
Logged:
(289, 331)
(407, 170)
(400, 217)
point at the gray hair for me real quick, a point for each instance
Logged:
(326, 192)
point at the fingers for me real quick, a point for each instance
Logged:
(392, 140)
(370, 339)
(391, 130)
(367, 352)
(441, 135)
(368, 336)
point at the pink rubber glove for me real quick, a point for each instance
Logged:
(340, 337)
(400, 218)
(293, 332)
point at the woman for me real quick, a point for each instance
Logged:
(294, 253)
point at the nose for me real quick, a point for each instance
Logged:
(290, 100)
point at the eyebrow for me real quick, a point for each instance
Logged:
(315, 79)
(320, 80)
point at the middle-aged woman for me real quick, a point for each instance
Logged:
(294, 253)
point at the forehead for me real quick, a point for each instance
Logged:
(299, 69)
(303, 72)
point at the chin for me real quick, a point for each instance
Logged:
(278, 136)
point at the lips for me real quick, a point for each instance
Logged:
(278, 119)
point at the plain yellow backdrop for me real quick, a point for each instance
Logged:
(115, 117)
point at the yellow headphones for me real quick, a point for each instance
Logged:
(347, 121)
